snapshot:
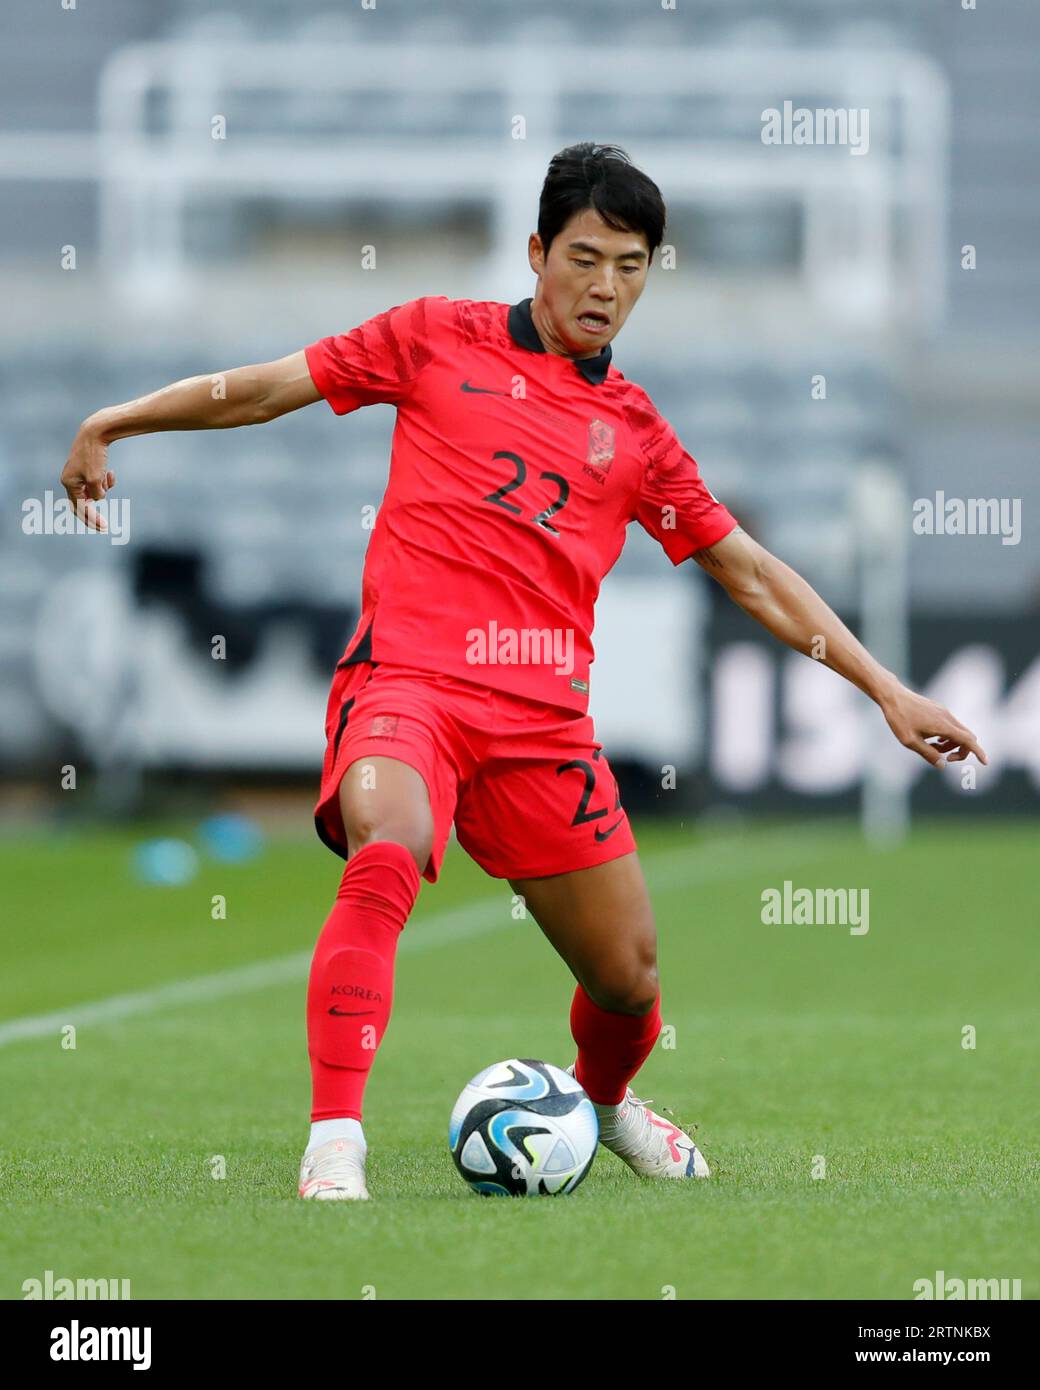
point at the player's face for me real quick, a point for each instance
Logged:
(587, 285)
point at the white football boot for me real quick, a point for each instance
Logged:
(651, 1146)
(334, 1172)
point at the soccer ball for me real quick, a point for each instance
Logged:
(523, 1129)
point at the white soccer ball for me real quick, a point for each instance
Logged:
(523, 1128)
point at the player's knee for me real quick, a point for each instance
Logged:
(416, 839)
(391, 807)
(630, 989)
(368, 823)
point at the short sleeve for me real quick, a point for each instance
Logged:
(381, 359)
(674, 504)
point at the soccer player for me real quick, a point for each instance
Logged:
(520, 455)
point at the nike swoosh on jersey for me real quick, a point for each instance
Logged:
(481, 390)
(349, 1013)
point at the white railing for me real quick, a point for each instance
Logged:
(850, 203)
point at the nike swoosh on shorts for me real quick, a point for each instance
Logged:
(602, 835)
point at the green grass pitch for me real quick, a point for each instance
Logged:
(791, 1044)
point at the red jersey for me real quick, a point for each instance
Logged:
(514, 473)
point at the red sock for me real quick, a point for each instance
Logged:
(352, 975)
(611, 1047)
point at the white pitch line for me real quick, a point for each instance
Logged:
(671, 869)
(442, 929)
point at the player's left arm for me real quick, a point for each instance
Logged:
(784, 603)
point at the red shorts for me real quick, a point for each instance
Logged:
(526, 784)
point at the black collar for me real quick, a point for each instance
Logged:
(525, 335)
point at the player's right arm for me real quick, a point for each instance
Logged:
(222, 400)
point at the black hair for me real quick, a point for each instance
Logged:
(601, 177)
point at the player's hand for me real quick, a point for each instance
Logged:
(914, 720)
(86, 476)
